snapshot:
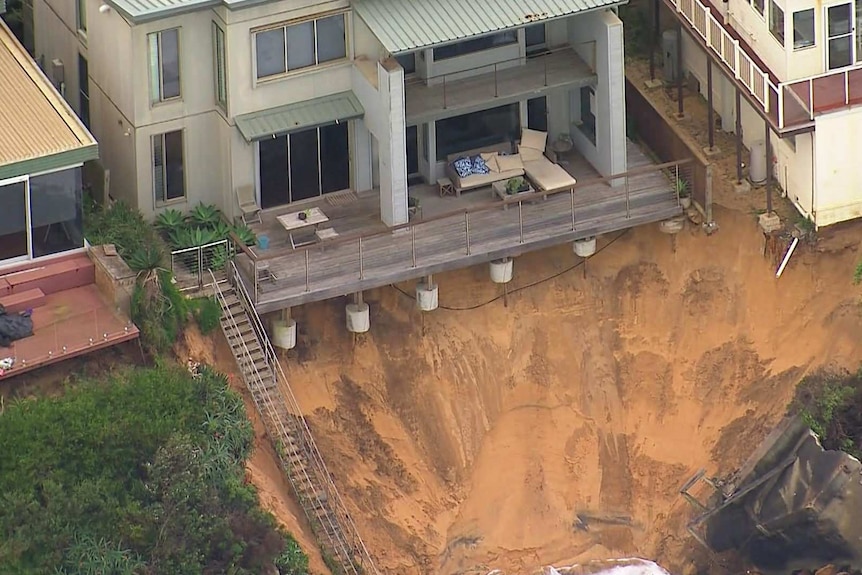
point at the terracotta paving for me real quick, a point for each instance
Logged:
(70, 323)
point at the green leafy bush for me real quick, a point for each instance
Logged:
(140, 473)
(207, 313)
(120, 225)
(159, 310)
(830, 403)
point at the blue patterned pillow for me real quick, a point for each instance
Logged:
(479, 165)
(463, 166)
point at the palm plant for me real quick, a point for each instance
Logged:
(206, 215)
(169, 221)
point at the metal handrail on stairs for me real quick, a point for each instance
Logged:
(343, 526)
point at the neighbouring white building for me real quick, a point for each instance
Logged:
(798, 66)
(193, 100)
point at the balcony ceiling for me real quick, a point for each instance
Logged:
(409, 25)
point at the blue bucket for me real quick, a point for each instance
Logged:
(263, 242)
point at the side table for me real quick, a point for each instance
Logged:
(446, 187)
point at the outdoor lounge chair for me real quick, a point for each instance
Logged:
(248, 204)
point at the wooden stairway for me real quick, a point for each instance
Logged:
(300, 458)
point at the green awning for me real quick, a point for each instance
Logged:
(304, 115)
(409, 25)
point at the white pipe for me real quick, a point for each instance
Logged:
(786, 258)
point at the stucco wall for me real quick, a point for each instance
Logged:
(838, 137)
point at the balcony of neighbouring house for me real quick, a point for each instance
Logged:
(339, 245)
(71, 312)
(788, 106)
(497, 84)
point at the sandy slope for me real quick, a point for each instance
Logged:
(479, 444)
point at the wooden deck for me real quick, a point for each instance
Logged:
(70, 323)
(454, 95)
(474, 229)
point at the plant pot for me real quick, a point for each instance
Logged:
(302, 216)
(685, 202)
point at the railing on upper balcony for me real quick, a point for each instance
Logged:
(536, 67)
(790, 105)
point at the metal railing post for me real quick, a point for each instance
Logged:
(781, 106)
(521, 221)
(413, 243)
(846, 88)
(467, 230)
(496, 87)
(545, 63)
(676, 185)
(361, 269)
(628, 203)
(444, 92)
(254, 273)
(200, 267)
(307, 281)
(572, 193)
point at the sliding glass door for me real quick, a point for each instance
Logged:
(41, 215)
(304, 165)
(14, 239)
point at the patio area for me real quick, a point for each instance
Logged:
(449, 232)
(69, 323)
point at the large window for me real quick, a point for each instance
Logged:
(301, 45)
(304, 164)
(476, 45)
(776, 21)
(477, 130)
(220, 72)
(588, 113)
(41, 215)
(803, 29)
(534, 38)
(169, 182)
(164, 50)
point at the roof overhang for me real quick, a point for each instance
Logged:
(408, 25)
(304, 115)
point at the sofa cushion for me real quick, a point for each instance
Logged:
(491, 161)
(507, 163)
(483, 180)
(463, 166)
(479, 165)
(529, 154)
(533, 139)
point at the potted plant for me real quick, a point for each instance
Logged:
(516, 186)
(681, 188)
(413, 206)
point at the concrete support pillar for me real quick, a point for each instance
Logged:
(654, 41)
(738, 136)
(709, 101)
(357, 315)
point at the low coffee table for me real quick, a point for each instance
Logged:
(498, 189)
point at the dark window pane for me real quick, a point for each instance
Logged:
(55, 205)
(334, 158)
(803, 28)
(476, 45)
(304, 176)
(169, 41)
(412, 150)
(839, 19)
(269, 48)
(13, 220)
(300, 46)
(537, 114)
(839, 52)
(330, 38)
(408, 62)
(588, 118)
(534, 35)
(84, 91)
(174, 179)
(477, 130)
(272, 160)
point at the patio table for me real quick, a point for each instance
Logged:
(291, 222)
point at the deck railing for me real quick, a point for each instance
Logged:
(69, 336)
(191, 266)
(523, 224)
(790, 105)
(539, 62)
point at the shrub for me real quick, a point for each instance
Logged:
(292, 560)
(207, 314)
(140, 473)
(830, 403)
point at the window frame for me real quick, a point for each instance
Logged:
(435, 52)
(316, 64)
(760, 7)
(220, 66)
(778, 33)
(163, 200)
(813, 41)
(157, 84)
(81, 17)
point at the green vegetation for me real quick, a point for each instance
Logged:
(207, 313)
(203, 225)
(830, 403)
(141, 473)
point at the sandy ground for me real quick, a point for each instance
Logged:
(561, 427)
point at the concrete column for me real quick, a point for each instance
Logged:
(738, 136)
(393, 147)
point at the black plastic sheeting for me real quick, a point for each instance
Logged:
(807, 510)
(14, 327)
